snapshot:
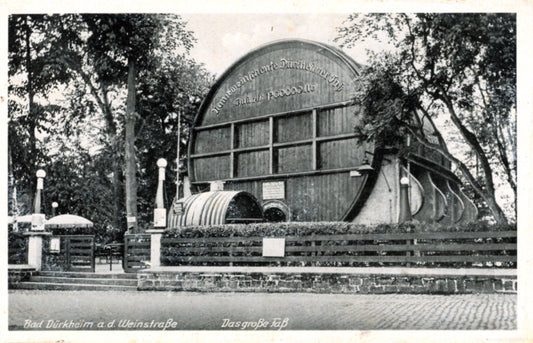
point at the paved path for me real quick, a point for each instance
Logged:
(210, 311)
(104, 268)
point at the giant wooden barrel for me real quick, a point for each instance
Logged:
(279, 124)
(215, 208)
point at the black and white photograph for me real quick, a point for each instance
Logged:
(282, 171)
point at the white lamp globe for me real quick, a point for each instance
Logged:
(161, 163)
(41, 173)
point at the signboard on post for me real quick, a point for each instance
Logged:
(273, 247)
(55, 244)
(131, 222)
(37, 222)
(160, 217)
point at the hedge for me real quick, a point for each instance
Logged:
(17, 248)
(323, 228)
(185, 253)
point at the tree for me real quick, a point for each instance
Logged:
(32, 74)
(95, 51)
(78, 181)
(461, 65)
(130, 42)
(118, 48)
(175, 85)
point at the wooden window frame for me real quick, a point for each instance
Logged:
(273, 146)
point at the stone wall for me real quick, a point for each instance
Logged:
(15, 276)
(324, 283)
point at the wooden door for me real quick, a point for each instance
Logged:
(80, 253)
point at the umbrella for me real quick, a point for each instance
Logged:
(68, 221)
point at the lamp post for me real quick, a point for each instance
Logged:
(178, 157)
(405, 209)
(160, 211)
(36, 234)
(41, 174)
(37, 219)
(161, 164)
(54, 206)
(160, 218)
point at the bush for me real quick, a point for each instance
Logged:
(17, 248)
(196, 251)
(322, 228)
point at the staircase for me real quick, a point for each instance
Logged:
(76, 281)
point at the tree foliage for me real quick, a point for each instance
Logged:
(33, 74)
(459, 65)
(176, 85)
(82, 143)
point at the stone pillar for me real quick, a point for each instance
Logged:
(36, 234)
(160, 213)
(35, 248)
(159, 199)
(405, 208)
(41, 174)
(160, 219)
(35, 251)
(155, 247)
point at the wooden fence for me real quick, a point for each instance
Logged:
(136, 252)
(80, 252)
(75, 253)
(430, 249)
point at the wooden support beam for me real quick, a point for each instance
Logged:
(314, 123)
(279, 114)
(271, 145)
(232, 152)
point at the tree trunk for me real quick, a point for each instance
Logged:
(130, 159)
(489, 198)
(102, 100)
(11, 201)
(472, 141)
(117, 195)
(117, 169)
(32, 115)
(496, 210)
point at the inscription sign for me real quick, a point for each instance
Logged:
(55, 243)
(216, 185)
(274, 94)
(273, 190)
(331, 78)
(160, 217)
(273, 247)
(37, 222)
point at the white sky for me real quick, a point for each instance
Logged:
(224, 38)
